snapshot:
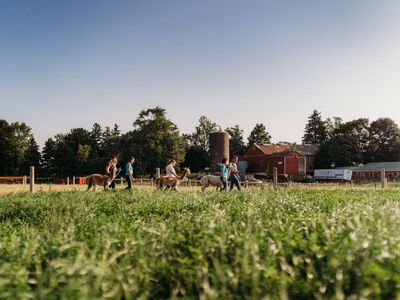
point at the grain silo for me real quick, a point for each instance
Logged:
(219, 147)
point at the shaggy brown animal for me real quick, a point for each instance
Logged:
(171, 181)
(98, 179)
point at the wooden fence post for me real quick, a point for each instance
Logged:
(67, 180)
(383, 179)
(275, 175)
(152, 181)
(32, 179)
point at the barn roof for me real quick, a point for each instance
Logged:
(376, 167)
(269, 149)
(307, 149)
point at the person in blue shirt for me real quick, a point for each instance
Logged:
(224, 174)
(129, 172)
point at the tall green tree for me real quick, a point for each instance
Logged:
(96, 141)
(32, 156)
(68, 154)
(116, 131)
(73, 162)
(200, 138)
(15, 140)
(156, 140)
(196, 158)
(358, 130)
(384, 141)
(236, 141)
(50, 157)
(259, 135)
(316, 130)
(107, 132)
(340, 151)
(332, 125)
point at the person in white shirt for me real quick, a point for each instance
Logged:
(170, 170)
(111, 169)
(234, 173)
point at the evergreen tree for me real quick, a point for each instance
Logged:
(53, 156)
(96, 141)
(115, 131)
(107, 132)
(316, 130)
(259, 135)
(48, 161)
(32, 156)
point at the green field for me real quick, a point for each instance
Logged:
(296, 244)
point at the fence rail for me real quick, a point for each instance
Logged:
(193, 183)
(13, 179)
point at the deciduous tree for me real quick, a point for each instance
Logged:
(236, 141)
(200, 137)
(384, 141)
(156, 139)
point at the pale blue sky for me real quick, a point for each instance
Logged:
(71, 63)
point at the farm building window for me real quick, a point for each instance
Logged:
(302, 165)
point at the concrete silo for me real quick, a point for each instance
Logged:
(219, 148)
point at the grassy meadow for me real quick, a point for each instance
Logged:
(285, 244)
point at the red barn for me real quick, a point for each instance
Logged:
(289, 159)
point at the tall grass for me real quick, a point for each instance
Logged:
(308, 244)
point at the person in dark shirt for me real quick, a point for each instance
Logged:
(111, 169)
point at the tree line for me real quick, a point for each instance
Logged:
(153, 140)
(344, 144)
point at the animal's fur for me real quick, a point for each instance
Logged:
(171, 181)
(98, 179)
(210, 180)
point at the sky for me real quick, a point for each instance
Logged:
(70, 63)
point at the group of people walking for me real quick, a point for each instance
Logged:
(113, 171)
(229, 171)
